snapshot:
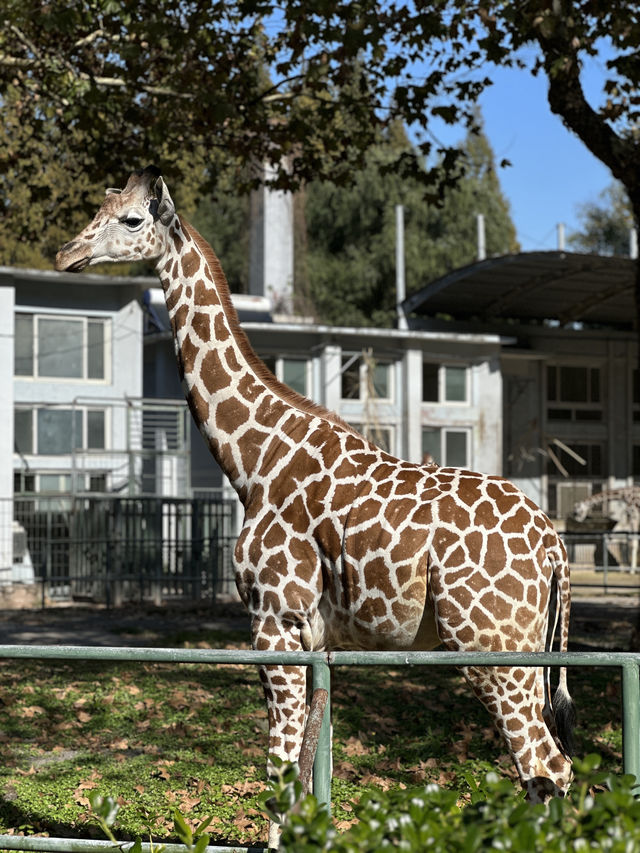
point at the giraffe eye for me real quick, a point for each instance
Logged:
(132, 221)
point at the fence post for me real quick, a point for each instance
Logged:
(631, 719)
(322, 764)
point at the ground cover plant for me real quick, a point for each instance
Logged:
(193, 738)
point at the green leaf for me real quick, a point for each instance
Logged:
(181, 828)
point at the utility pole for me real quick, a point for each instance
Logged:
(481, 238)
(401, 289)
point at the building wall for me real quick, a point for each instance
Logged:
(6, 432)
(43, 299)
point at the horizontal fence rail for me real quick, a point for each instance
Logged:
(321, 664)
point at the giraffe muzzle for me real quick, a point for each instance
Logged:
(73, 257)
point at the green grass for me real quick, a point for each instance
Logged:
(161, 737)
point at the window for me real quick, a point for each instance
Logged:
(54, 483)
(350, 378)
(54, 431)
(294, 372)
(445, 383)
(59, 482)
(584, 460)
(381, 436)
(573, 393)
(449, 447)
(54, 347)
(365, 378)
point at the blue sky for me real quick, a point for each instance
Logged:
(552, 172)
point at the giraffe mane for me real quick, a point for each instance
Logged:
(288, 395)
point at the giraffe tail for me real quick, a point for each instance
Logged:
(563, 707)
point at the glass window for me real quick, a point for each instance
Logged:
(95, 349)
(270, 362)
(430, 382)
(445, 447)
(431, 451)
(98, 483)
(95, 429)
(59, 430)
(455, 384)
(574, 386)
(55, 483)
(55, 347)
(23, 482)
(574, 393)
(294, 374)
(60, 348)
(381, 436)
(350, 388)
(23, 430)
(582, 460)
(444, 383)
(23, 345)
(455, 448)
(382, 381)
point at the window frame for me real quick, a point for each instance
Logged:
(85, 321)
(442, 368)
(370, 434)
(442, 433)
(351, 359)
(275, 363)
(559, 410)
(83, 411)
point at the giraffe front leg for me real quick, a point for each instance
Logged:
(285, 691)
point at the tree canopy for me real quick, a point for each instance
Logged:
(351, 232)
(605, 224)
(109, 85)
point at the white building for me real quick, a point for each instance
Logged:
(531, 376)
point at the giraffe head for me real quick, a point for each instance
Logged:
(131, 225)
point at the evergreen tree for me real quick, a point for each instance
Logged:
(352, 231)
(605, 224)
(223, 220)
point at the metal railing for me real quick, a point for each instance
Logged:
(115, 549)
(110, 549)
(613, 555)
(321, 664)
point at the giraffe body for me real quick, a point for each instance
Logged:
(343, 545)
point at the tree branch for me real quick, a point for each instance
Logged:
(567, 99)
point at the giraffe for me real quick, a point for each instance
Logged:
(343, 545)
(627, 495)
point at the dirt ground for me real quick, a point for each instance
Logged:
(599, 621)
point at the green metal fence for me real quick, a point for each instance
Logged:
(321, 664)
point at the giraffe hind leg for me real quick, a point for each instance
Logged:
(285, 690)
(515, 698)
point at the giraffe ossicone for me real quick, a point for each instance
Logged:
(343, 545)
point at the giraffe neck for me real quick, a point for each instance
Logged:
(235, 400)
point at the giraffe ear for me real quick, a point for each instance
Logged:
(166, 207)
(112, 191)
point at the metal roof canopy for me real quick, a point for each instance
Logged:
(535, 286)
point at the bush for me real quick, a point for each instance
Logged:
(600, 813)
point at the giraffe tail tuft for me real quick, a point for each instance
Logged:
(564, 712)
(564, 709)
